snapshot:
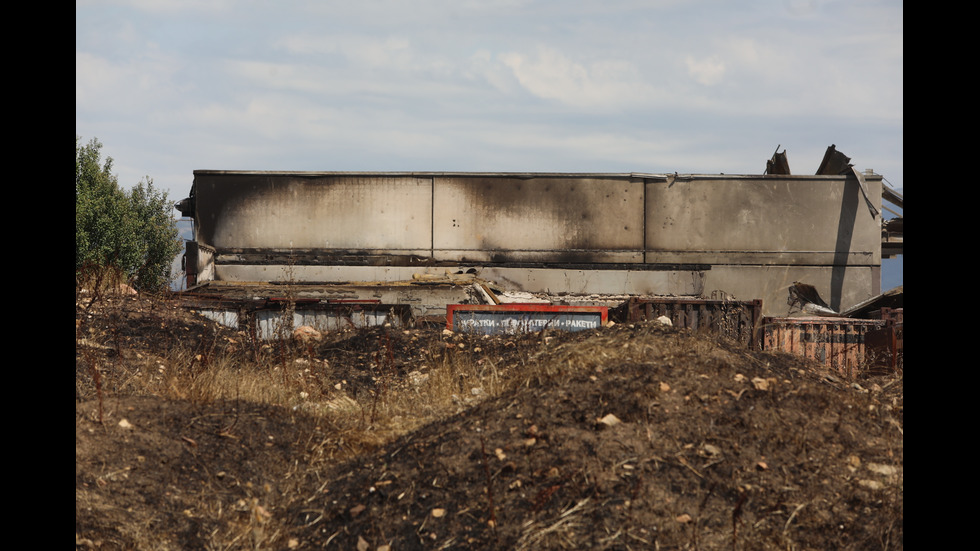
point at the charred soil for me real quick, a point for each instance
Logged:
(629, 437)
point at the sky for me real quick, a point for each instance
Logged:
(657, 86)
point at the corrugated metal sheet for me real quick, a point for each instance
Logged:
(228, 318)
(736, 320)
(274, 319)
(837, 343)
(274, 324)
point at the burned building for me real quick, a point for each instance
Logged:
(420, 238)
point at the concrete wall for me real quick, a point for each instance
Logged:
(792, 220)
(329, 213)
(500, 219)
(744, 236)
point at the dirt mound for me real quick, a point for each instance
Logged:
(698, 446)
(146, 477)
(631, 437)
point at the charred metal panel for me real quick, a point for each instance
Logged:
(736, 320)
(683, 282)
(789, 220)
(834, 162)
(278, 212)
(778, 164)
(190, 263)
(848, 286)
(198, 263)
(502, 219)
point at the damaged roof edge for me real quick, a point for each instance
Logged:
(625, 175)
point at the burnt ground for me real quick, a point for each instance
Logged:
(630, 437)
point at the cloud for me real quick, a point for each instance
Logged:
(93, 76)
(309, 44)
(364, 51)
(705, 71)
(163, 6)
(780, 75)
(502, 85)
(141, 83)
(602, 84)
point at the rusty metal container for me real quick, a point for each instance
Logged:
(894, 315)
(730, 318)
(837, 343)
(885, 346)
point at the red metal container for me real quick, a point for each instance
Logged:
(510, 318)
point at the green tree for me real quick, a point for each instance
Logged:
(130, 232)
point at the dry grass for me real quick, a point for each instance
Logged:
(286, 373)
(228, 367)
(357, 391)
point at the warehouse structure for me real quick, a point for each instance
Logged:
(416, 237)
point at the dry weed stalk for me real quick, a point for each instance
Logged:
(97, 279)
(492, 521)
(533, 534)
(97, 379)
(88, 355)
(384, 361)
